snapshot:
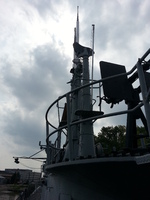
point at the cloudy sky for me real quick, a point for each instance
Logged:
(36, 38)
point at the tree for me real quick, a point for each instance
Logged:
(111, 138)
(114, 138)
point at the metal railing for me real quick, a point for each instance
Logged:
(69, 123)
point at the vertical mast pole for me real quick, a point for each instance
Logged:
(86, 146)
(77, 26)
(76, 82)
(93, 34)
(76, 33)
(73, 102)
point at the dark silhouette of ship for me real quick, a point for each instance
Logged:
(78, 169)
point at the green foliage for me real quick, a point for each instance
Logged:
(114, 137)
(111, 137)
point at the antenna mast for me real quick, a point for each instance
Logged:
(77, 25)
(93, 33)
(76, 34)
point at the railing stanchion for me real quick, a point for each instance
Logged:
(69, 127)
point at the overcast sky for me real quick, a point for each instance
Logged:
(36, 38)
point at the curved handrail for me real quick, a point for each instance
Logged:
(81, 87)
(46, 115)
(57, 147)
(92, 118)
(95, 117)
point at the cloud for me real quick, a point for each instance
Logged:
(27, 96)
(34, 82)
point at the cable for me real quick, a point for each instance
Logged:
(28, 166)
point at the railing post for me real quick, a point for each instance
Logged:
(144, 93)
(47, 145)
(69, 127)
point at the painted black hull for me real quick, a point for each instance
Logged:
(106, 178)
